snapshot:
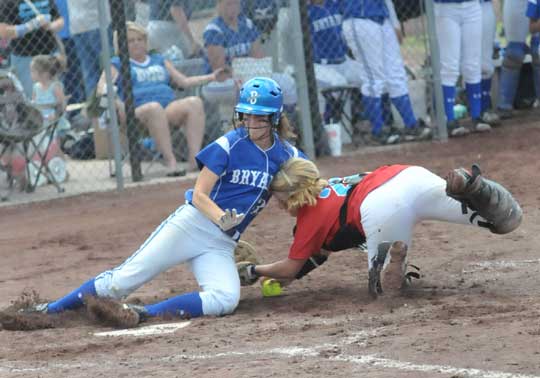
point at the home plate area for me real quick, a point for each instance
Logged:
(151, 330)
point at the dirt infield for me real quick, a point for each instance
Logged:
(474, 313)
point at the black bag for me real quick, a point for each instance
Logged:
(407, 9)
(525, 94)
(82, 149)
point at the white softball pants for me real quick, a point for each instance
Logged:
(459, 33)
(515, 21)
(187, 236)
(489, 29)
(330, 75)
(390, 212)
(376, 48)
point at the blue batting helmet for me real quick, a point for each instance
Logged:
(261, 96)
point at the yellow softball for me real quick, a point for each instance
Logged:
(270, 287)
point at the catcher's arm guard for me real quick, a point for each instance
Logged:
(489, 199)
(312, 263)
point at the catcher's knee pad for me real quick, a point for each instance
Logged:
(489, 199)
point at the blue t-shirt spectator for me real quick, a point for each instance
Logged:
(237, 43)
(325, 26)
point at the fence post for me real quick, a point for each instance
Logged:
(306, 115)
(106, 58)
(435, 61)
(119, 25)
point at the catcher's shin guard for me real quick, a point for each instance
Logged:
(374, 275)
(487, 198)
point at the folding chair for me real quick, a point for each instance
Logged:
(24, 132)
(337, 98)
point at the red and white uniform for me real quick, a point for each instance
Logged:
(385, 206)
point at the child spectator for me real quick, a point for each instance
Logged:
(48, 91)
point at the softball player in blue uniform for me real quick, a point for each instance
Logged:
(231, 189)
(330, 61)
(533, 13)
(369, 31)
(489, 28)
(232, 35)
(459, 32)
(516, 27)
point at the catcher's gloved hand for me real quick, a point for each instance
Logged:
(230, 219)
(246, 272)
(244, 251)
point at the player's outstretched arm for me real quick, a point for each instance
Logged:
(282, 269)
(201, 195)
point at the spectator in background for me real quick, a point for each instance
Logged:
(167, 17)
(48, 92)
(459, 30)
(72, 77)
(155, 104)
(371, 30)
(332, 65)
(489, 29)
(231, 35)
(516, 29)
(31, 34)
(84, 30)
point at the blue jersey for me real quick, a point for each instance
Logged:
(237, 43)
(533, 9)
(245, 172)
(150, 81)
(325, 26)
(453, 1)
(375, 10)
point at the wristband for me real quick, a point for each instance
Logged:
(252, 273)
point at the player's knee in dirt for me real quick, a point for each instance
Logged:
(220, 302)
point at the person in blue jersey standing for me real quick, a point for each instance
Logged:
(231, 189)
(516, 29)
(370, 31)
(459, 32)
(232, 35)
(489, 28)
(330, 61)
(533, 13)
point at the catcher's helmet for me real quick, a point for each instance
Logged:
(261, 96)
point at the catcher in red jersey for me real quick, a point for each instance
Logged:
(378, 209)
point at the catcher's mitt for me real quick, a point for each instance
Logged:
(245, 252)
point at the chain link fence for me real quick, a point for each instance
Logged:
(147, 83)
